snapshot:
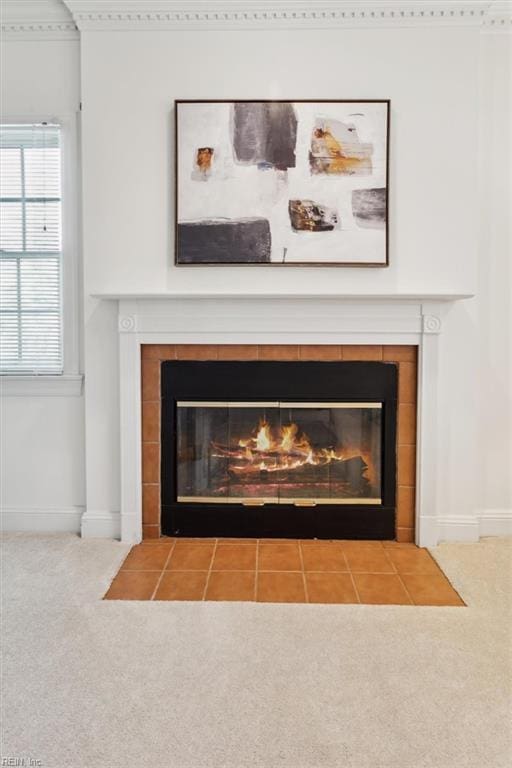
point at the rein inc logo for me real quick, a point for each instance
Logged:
(21, 762)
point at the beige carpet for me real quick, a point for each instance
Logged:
(90, 683)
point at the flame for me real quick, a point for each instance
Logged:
(263, 441)
(266, 451)
(288, 442)
(274, 460)
(330, 455)
(288, 437)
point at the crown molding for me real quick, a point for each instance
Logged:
(63, 19)
(499, 17)
(280, 14)
(37, 20)
(39, 30)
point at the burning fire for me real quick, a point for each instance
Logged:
(263, 438)
(289, 450)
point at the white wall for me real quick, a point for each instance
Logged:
(495, 278)
(42, 463)
(42, 448)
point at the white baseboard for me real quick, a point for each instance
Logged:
(495, 522)
(101, 524)
(107, 525)
(488, 522)
(40, 520)
(458, 528)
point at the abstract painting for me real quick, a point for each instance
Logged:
(282, 182)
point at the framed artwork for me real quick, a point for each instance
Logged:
(282, 183)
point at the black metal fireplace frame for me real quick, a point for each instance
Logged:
(275, 380)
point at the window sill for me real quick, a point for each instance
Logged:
(65, 385)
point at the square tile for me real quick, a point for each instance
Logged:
(237, 351)
(146, 557)
(380, 589)
(434, 589)
(399, 353)
(158, 352)
(235, 557)
(133, 585)
(150, 532)
(358, 544)
(227, 540)
(280, 588)
(330, 588)
(368, 560)
(405, 535)
(321, 557)
(278, 352)
(279, 557)
(416, 561)
(191, 557)
(150, 462)
(320, 352)
(407, 383)
(277, 540)
(405, 506)
(231, 585)
(318, 542)
(150, 372)
(196, 540)
(196, 351)
(406, 424)
(362, 352)
(182, 585)
(151, 422)
(151, 504)
(406, 474)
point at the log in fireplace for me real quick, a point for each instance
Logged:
(283, 449)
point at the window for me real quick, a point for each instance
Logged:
(30, 249)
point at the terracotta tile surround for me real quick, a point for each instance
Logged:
(283, 571)
(405, 357)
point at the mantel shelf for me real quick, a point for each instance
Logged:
(444, 296)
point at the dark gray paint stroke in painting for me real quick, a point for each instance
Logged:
(224, 241)
(265, 133)
(369, 208)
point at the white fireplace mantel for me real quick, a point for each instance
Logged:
(441, 296)
(370, 318)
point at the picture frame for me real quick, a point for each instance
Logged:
(282, 182)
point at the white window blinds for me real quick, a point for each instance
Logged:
(30, 249)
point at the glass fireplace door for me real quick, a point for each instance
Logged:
(279, 452)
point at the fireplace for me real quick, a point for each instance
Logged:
(391, 327)
(287, 449)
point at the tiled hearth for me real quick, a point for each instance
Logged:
(283, 571)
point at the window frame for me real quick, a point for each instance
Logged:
(69, 382)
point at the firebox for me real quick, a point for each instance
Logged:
(279, 449)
